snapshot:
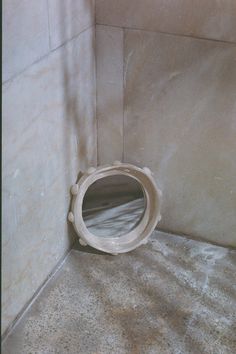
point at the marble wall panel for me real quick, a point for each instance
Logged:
(49, 134)
(180, 120)
(25, 34)
(204, 18)
(109, 56)
(69, 18)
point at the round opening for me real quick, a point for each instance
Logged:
(113, 206)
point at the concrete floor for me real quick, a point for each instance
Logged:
(172, 295)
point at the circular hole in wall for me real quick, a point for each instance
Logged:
(113, 206)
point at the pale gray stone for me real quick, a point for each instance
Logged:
(109, 56)
(49, 134)
(68, 18)
(207, 19)
(25, 34)
(180, 120)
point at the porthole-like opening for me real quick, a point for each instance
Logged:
(113, 206)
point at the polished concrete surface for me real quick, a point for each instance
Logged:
(173, 295)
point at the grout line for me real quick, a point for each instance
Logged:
(96, 87)
(95, 13)
(45, 56)
(37, 293)
(95, 58)
(123, 103)
(170, 33)
(49, 29)
(72, 38)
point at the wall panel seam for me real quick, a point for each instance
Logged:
(123, 103)
(169, 33)
(49, 28)
(96, 90)
(45, 56)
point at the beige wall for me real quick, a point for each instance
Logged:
(211, 19)
(168, 101)
(49, 134)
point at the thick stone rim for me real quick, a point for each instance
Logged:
(147, 223)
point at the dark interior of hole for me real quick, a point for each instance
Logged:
(113, 206)
(111, 191)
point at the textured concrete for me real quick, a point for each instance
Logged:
(180, 120)
(109, 62)
(25, 34)
(68, 18)
(49, 134)
(172, 296)
(205, 18)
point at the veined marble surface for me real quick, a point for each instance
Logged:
(68, 18)
(180, 120)
(25, 34)
(179, 104)
(109, 64)
(206, 19)
(31, 29)
(49, 134)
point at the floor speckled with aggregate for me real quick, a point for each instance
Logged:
(173, 295)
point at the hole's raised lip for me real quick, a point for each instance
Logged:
(147, 223)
